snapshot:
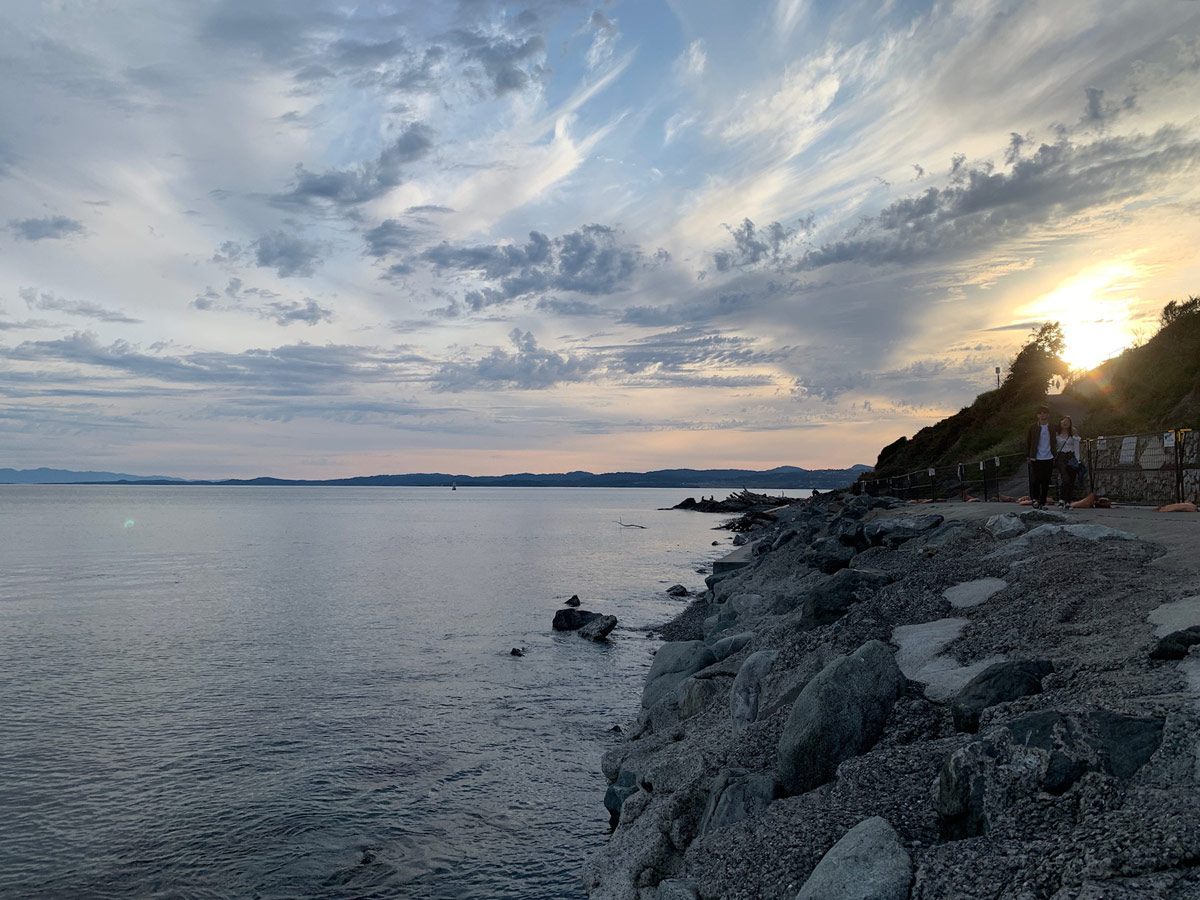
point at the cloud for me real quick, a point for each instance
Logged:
(285, 313)
(48, 228)
(605, 35)
(528, 367)
(587, 261)
(365, 182)
(752, 245)
(287, 254)
(505, 61)
(388, 238)
(49, 302)
(981, 206)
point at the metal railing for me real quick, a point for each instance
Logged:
(1158, 467)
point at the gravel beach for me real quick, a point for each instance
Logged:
(951, 700)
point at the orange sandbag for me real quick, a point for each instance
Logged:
(1177, 507)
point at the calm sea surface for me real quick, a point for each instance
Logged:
(302, 692)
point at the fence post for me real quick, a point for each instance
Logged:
(932, 483)
(983, 469)
(1178, 465)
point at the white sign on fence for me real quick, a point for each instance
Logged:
(1128, 450)
(932, 472)
(981, 465)
(1100, 442)
(1168, 440)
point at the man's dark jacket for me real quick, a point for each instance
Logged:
(1031, 441)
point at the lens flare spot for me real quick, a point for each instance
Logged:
(129, 523)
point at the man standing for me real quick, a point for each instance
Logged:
(1040, 447)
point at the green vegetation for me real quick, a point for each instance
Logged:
(1149, 388)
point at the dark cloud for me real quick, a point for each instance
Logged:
(287, 254)
(1099, 112)
(51, 303)
(528, 367)
(588, 261)
(363, 183)
(48, 228)
(753, 245)
(981, 206)
(505, 61)
(388, 238)
(285, 313)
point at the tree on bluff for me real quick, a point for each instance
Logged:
(1035, 364)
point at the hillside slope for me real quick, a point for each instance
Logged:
(1149, 388)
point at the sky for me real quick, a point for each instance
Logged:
(313, 239)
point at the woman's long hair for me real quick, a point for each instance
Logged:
(1070, 426)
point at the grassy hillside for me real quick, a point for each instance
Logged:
(1148, 388)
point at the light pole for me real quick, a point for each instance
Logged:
(997, 377)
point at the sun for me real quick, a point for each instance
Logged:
(1096, 310)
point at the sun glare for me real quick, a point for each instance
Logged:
(1096, 309)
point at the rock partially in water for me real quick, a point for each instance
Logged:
(599, 628)
(1176, 644)
(572, 619)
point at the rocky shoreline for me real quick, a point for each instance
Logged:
(895, 703)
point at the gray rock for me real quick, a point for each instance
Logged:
(676, 889)
(1005, 526)
(1000, 683)
(828, 600)
(1045, 751)
(695, 694)
(1087, 532)
(839, 714)
(972, 593)
(618, 792)
(895, 531)
(785, 538)
(572, 619)
(829, 555)
(747, 687)
(674, 662)
(1176, 644)
(727, 646)
(599, 628)
(677, 590)
(739, 539)
(935, 539)
(736, 795)
(1029, 516)
(868, 863)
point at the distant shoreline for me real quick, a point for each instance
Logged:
(782, 478)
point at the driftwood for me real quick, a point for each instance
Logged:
(737, 502)
(624, 525)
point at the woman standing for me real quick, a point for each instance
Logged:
(1066, 460)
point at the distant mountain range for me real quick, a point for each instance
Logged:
(780, 478)
(66, 476)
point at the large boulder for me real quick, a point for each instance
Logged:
(695, 694)
(747, 687)
(999, 683)
(828, 600)
(1046, 752)
(731, 644)
(735, 795)
(895, 531)
(571, 619)
(839, 714)
(868, 863)
(674, 661)
(828, 555)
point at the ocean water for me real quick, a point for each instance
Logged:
(293, 692)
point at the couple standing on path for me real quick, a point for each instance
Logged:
(1046, 450)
